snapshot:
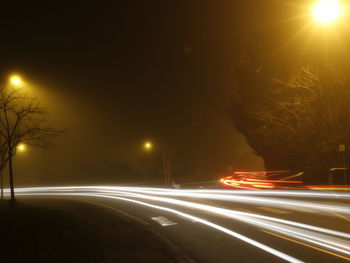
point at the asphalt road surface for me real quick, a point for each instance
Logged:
(230, 225)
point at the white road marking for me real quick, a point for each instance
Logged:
(273, 210)
(163, 221)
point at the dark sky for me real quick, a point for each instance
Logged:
(118, 72)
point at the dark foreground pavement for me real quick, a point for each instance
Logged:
(40, 230)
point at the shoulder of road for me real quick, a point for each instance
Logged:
(39, 230)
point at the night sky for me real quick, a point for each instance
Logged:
(115, 73)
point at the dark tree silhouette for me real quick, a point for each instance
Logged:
(3, 162)
(22, 120)
(297, 123)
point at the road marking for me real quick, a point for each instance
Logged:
(307, 245)
(163, 221)
(274, 210)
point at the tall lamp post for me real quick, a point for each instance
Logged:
(342, 149)
(148, 146)
(326, 12)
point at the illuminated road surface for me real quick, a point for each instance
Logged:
(231, 225)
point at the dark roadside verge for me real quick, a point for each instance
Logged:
(39, 230)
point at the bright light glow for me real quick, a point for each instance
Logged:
(16, 80)
(148, 145)
(21, 147)
(326, 11)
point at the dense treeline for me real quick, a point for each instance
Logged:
(297, 123)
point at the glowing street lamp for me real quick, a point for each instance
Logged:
(148, 146)
(326, 11)
(21, 147)
(15, 80)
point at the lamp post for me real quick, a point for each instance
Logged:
(148, 146)
(326, 12)
(2, 160)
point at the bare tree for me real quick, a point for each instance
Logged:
(22, 120)
(3, 162)
(311, 110)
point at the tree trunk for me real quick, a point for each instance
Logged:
(1, 183)
(11, 178)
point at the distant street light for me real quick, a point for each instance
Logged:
(148, 146)
(327, 11)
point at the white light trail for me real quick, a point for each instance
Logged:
(337, 245)
(302, 234)
(292, 193)
(191, 217)
(326, 238)
(232, 197)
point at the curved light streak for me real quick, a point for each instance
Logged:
(248, 240)
(299, 193)
(271, 223)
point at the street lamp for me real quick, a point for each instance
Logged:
(148, 146)
(326, 11)
(21, 147)
(15, 80)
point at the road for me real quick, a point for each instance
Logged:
(231, 225)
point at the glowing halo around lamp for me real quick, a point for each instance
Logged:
(148, 145)
(16, 80)
(21, 147)
(326, 11)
